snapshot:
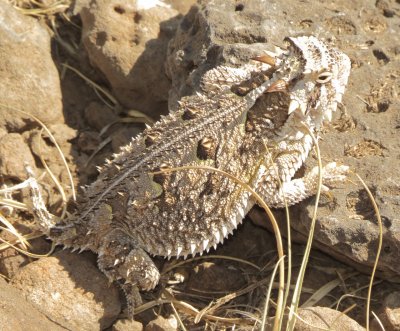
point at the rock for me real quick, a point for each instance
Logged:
(3, 132)
(14, 155)
(62, 133)
(30, 81)
(89, 141)
(211, 34)
(70, 290)
(390, 312)
(127, 325)
(16, 314)
(162, 324)
(325, 318)
(42, 147)
(12, 261)
(99, 115)
(128, 43)
(231, 33)
(210, 277)
(181, 6)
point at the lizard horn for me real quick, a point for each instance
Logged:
(279, 86)
(268, 59)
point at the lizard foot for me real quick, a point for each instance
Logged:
(332, 175)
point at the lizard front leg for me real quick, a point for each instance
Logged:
(128, 264)
(278, 193)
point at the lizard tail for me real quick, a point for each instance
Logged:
(44, 219)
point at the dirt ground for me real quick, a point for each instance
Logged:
(365, 137)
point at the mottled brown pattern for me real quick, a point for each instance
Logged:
(236, 124)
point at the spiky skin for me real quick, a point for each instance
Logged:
(232, 125)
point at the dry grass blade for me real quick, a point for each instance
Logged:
(93, 85)
(378, 252)
(324, 290)
(289, 245)
(36, 8)
(222, 257)
(149, 305)
(187, 309)
(137, 116)
(190, 310)
(211, 308)
(267, 297)
(13, 188)
(11, 229)
(22, 251)
(275, 226)
(70, 47)
(178, 317)
(7, 201)
(27, 237)
(104, 143)
(297, 291)
(379, 321)
(55, 181)
(203, 312)
(13, 204)
(349, 309)
(352, 295)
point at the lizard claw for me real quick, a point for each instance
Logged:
(332, 175)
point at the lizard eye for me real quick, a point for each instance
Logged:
(324, 77)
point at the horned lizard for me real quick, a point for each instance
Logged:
(249, 122)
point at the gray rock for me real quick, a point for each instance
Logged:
(128, 44)
(70, 290)
(29, 78)
(16, 314)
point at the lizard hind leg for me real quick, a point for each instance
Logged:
(120, 260)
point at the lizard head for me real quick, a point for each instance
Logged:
(314, 75)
